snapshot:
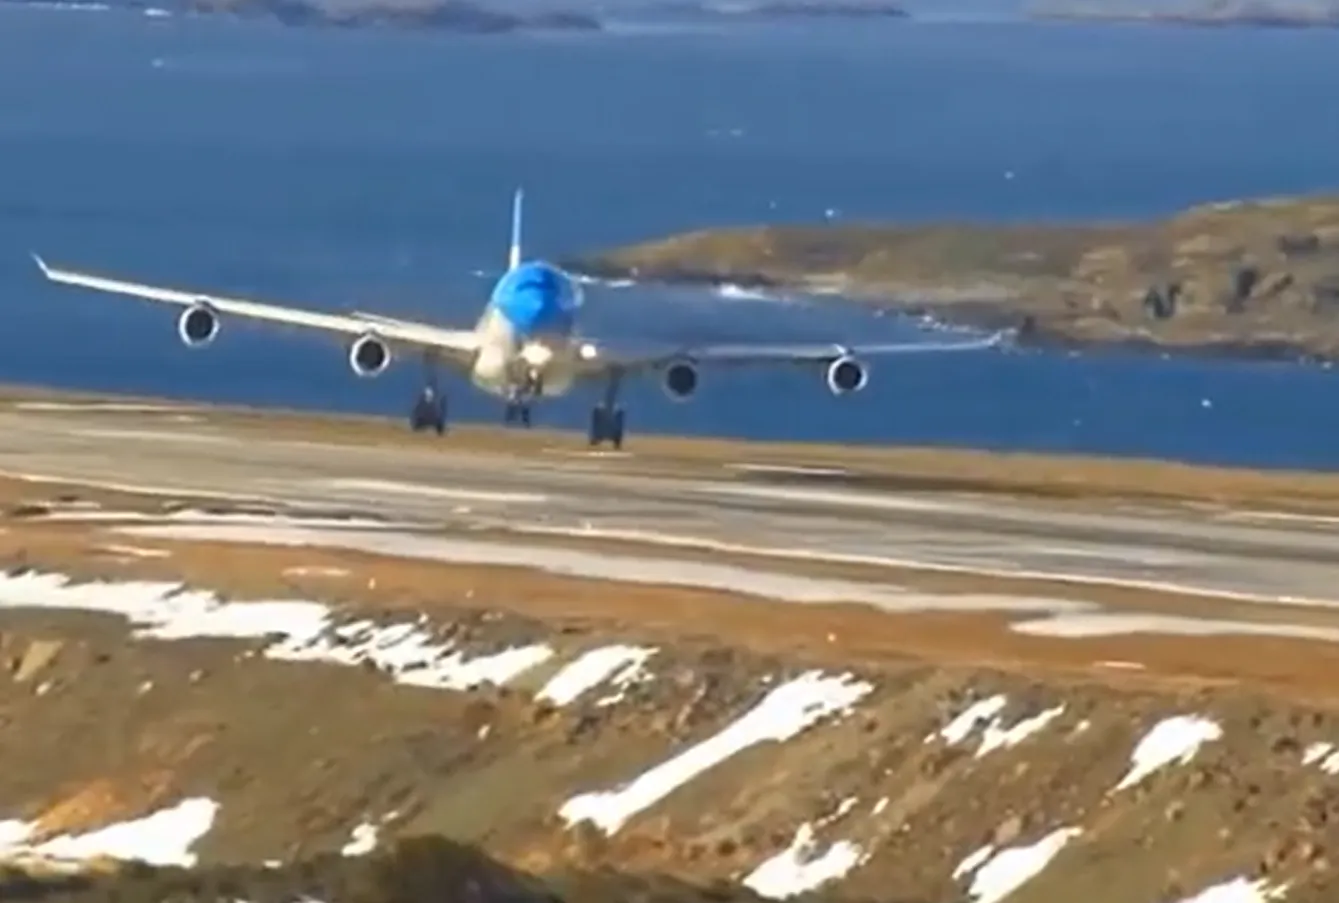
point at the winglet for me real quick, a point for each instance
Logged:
(46, 270)
(514, 256)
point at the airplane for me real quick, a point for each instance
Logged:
(524, 347)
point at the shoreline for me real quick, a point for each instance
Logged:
(1246, 279)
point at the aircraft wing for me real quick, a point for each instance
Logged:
(598, 360)
(452, 343)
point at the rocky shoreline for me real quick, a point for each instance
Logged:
(1243, 279)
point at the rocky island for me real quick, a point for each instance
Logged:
(445, 15)
(1248, 13)
(777, 10)
(1252, 278)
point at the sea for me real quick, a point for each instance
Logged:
(350, 169)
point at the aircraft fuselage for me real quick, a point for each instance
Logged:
(528, 344)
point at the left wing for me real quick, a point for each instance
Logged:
(597, 359)
(453, 344)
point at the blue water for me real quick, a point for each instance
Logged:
(341, 169)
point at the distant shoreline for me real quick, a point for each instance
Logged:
(474, 17)
(1260, 15)
(1257, 280)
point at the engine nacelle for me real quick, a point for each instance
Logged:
(198, 325)
(369, 355)
(680, 380)
(846, 374)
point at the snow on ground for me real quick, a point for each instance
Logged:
(163, 838)
(362, 840)
(1174, 739)
(1323, 754)
(784, 712)
(617, 665)
(995, 735)
(797, 870)
(306, 630)
(998, 873)
(1239, 890)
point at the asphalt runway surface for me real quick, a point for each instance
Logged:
(1250, 555)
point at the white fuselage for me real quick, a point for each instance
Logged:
(542, 364)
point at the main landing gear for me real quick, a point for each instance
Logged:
(518, 406)
(606, 418)
(429, 412)
(517, 411)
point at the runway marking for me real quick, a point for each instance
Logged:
(713, 545)
(639, 569)
(583, 453)
(420, 489)
(99, 406)
(1054, 617)
(798, 470)
(1100, 624)
(835, 497)
(153, 435)
(138, 488)
(1317, 519)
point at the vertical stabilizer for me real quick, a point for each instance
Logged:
(514, 256)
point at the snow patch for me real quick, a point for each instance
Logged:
(1172, 740)
(618, 665)
(1323, 754)
(985, 714)
(362, 840)
(998, 873)
(163, 838)
(1239, 890)
(783, 713)
(797, 870)
(136, 551)
(303, 631)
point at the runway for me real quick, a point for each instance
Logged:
(1252, 556)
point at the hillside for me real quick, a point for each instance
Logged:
(1248, 277)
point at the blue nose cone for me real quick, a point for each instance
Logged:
(537, 297)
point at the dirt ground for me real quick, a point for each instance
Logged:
(301, 753)
(97, 725)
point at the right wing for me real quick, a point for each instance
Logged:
(454, 344)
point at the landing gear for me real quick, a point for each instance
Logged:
(517, 412)
(430, 409)
(518, 406)
(606, 418)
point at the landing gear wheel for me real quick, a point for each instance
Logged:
(517, 412)
(606, 425)
(429, 413)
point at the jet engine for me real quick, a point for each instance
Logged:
(369, 355)
(846, 374)
(680, 380)
(198, 325)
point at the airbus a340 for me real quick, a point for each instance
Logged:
(526, 345)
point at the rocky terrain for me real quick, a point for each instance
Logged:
(276, 724)
(1257, 277)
